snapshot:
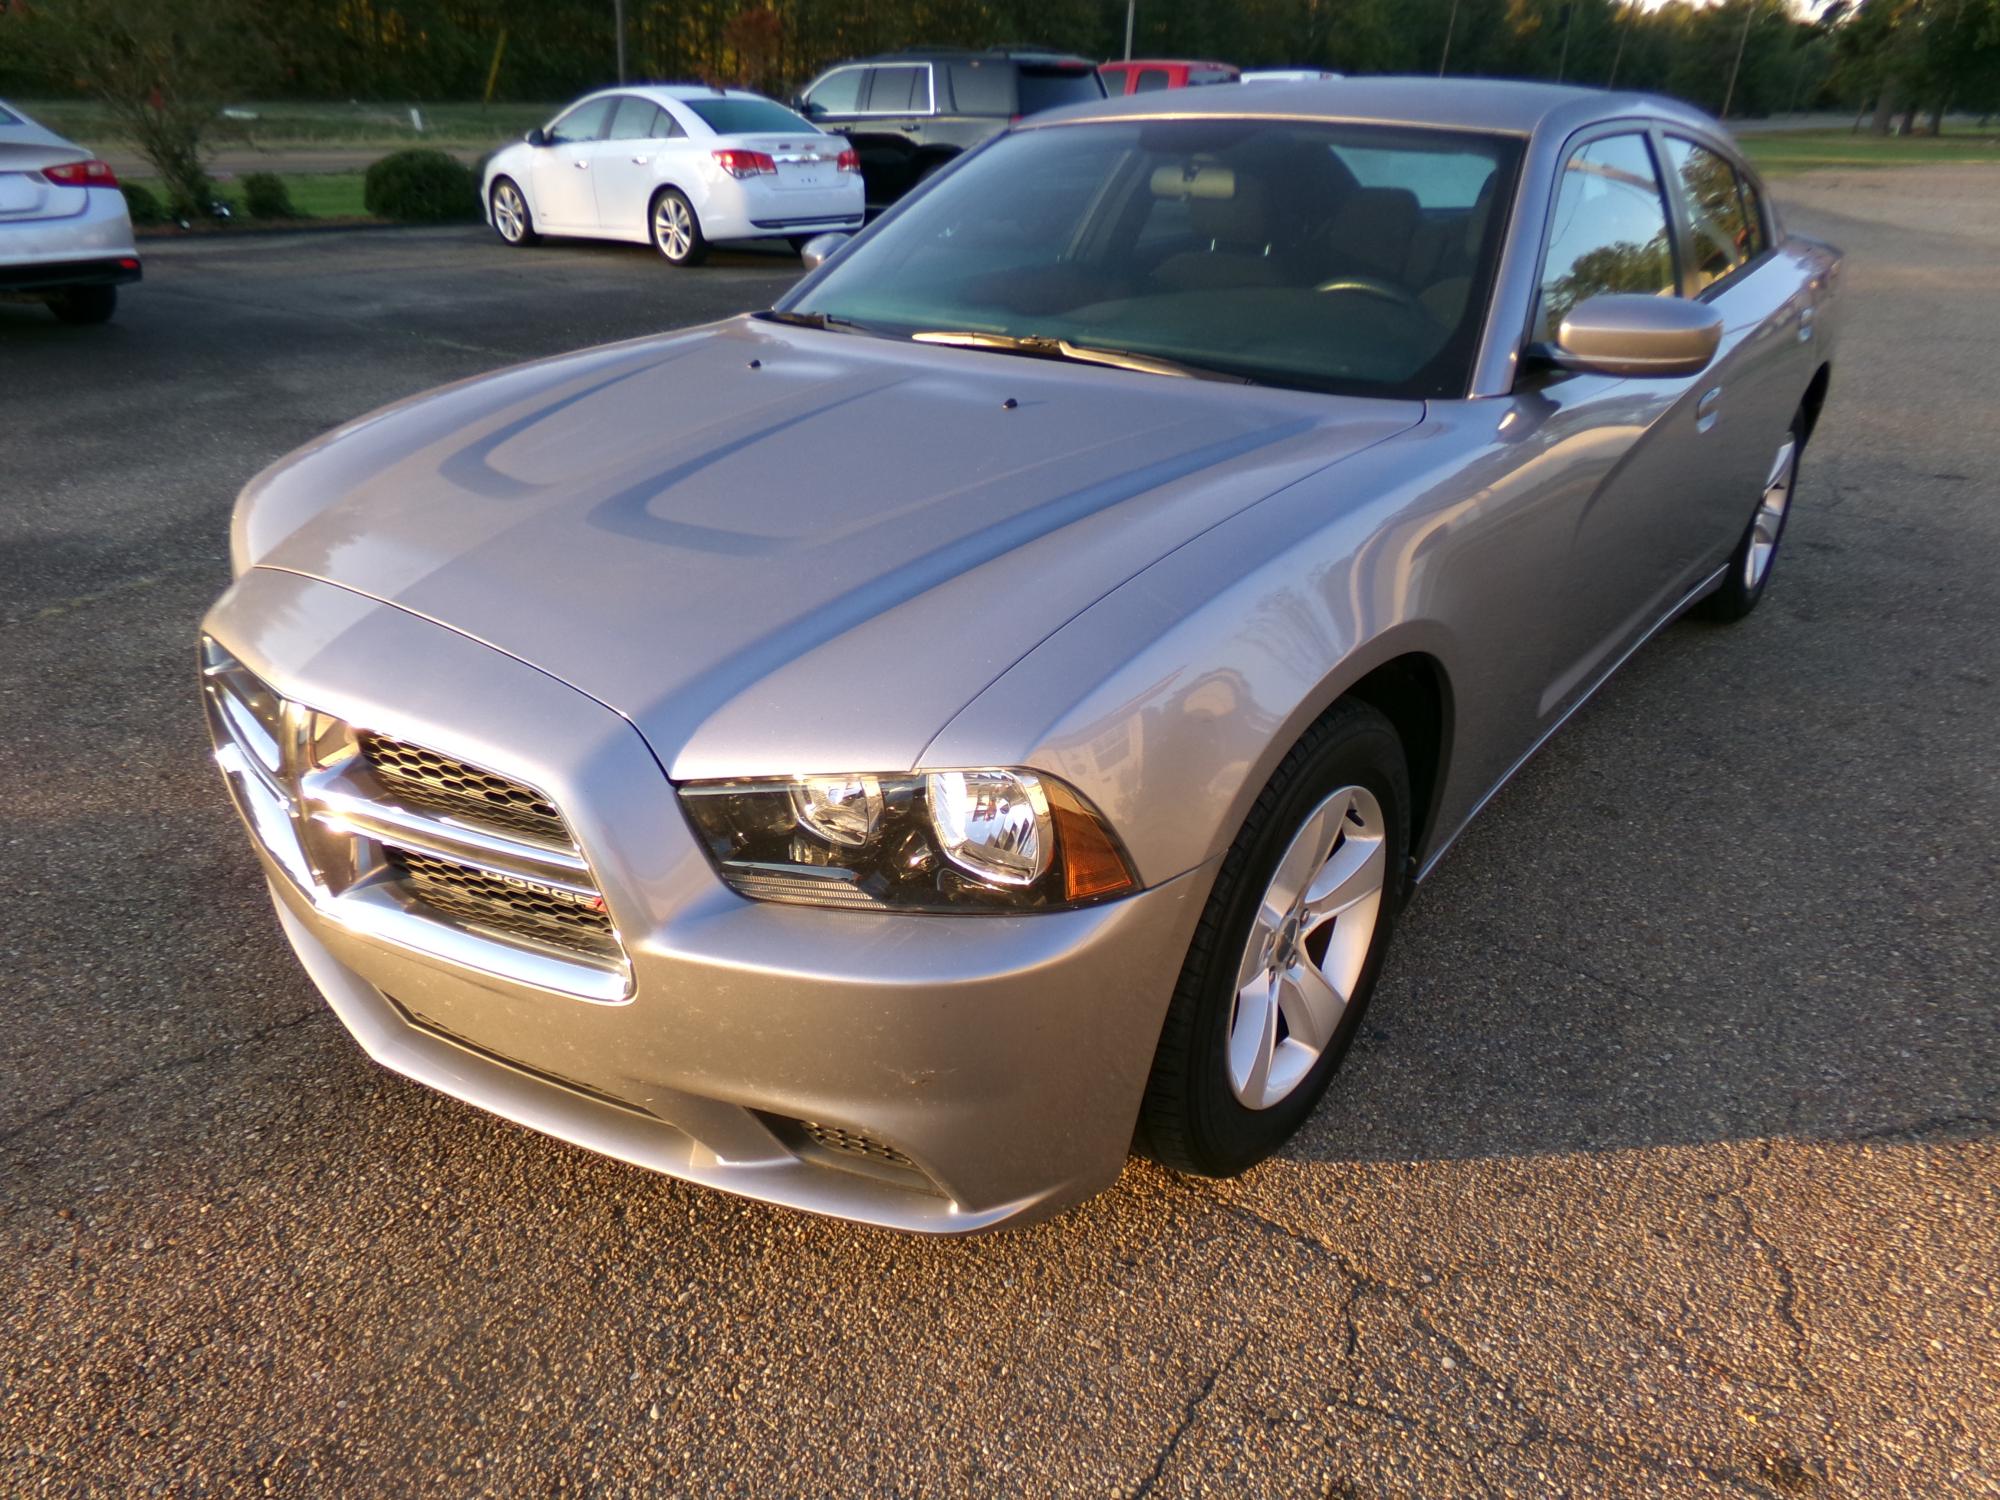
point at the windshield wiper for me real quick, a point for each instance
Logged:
(1046, 346)
(825, 321)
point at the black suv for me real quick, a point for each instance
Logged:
(908, 113)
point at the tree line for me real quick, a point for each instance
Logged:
(166, 67)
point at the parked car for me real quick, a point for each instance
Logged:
(884, 754)
(1147, 76)
(65, 234)
(1286, 75)
(676, 167)
(910, 114)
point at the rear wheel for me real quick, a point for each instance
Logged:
(1751, 563)
(676, 231)
(1285, 955)
(511, 218)
(84, 304)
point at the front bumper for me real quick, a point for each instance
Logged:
(991, 1066)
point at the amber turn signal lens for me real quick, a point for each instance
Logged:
(1091, 863)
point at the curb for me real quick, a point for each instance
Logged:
(189, 237)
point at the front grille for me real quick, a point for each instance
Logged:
(411, 844)
(853, 1143)
(514, 905)
(423, 778)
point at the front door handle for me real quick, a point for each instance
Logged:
(581, 165)
(1708, 409)
(640, 161)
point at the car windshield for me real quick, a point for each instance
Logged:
(748, 117)
(1344, 258)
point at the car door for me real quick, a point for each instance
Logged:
(629, 163)
(1750, 392)
(1638, 447)
(900, 104)
(565, 197)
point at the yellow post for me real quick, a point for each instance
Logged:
(493, 73)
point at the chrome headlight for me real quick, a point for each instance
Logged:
(977, 840)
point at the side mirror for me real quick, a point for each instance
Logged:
(809, 109)
(816, 251)
(536, 137)
(1628, 333)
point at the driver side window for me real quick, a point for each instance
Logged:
(584, 123)
(1608, 232)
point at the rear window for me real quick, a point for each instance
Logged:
(7, 119)
(982, 89)
(747, 117)
(1051, 88)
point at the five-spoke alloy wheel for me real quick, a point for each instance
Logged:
(1750, 565)
(511, 218)
(1285, 953)
(676, 231)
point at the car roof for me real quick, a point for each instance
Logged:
(1165, 62)
(1487, 104)
(679, 91)
(962, 54)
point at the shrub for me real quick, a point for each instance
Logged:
(421, 187)
(142, 204)
(265, 196)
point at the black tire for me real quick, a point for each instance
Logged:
(1739, 592)
(696, 243)
(84, 304)
(1191, 1118)
(527, 235)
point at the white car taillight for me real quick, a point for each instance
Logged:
(746, 163)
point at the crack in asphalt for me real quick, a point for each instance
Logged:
(1535, 1427)
(1193, 1408)
(167, 1065)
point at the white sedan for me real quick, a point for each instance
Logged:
(65, 235)
(677, 167)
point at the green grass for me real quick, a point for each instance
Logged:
(292, 123)
(1781, 151)
(316, 195)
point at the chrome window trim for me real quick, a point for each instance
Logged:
(930, 80)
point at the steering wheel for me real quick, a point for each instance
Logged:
(1371, 286)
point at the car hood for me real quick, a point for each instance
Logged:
(778, 549)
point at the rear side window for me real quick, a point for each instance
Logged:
(1051, 88)
(838, 93)
(982, 89)
(638, 120)
(1151, 79)
(1609, 230)
(899, 91)
(1721, 222)
(746, 116)
(7, 119)
(1199, 76)
(584, 123)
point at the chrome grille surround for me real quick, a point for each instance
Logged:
(411, 846)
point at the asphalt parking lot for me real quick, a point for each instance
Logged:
(1666, 1164)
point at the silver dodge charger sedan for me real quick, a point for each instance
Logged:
(891, 754)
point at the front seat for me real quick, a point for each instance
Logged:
(1237, 253)
(1371, 234)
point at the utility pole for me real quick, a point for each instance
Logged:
(1619, 19)
(1742, 40)
(1450, 25)
(1562, 62)
(1131, 6)
(618, 24)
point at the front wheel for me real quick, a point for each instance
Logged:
(1285, 955)
(1751, 563)
(84, 304)
(676, 231)
(511, 217)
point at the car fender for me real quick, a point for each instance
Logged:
(1184, 687)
